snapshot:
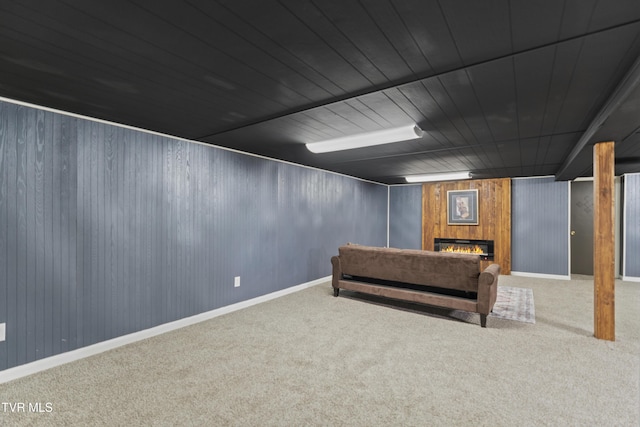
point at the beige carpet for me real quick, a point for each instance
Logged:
(311, 359)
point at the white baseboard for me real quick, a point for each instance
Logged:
(540, 275)
(91, 350)
(631, 279)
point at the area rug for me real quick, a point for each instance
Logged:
(511, 304)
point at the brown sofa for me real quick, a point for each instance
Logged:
(434, 278)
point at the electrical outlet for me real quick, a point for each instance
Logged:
(236, 282)
(3, 328)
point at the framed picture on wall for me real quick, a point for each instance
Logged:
(462, 207)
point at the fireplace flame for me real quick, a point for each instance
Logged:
(463, 249)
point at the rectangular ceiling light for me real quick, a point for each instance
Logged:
(438, 177)
(366, 139)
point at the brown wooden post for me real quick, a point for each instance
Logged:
(604, 241)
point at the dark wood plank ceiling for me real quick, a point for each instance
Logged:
(501, 88)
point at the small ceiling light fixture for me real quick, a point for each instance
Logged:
(439, 177)
(367, 139)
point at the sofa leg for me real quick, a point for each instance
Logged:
(483, 320)
(336, 291)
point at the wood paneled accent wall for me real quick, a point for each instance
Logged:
(494, 216)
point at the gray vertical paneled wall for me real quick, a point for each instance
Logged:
(539, 226)
(631, 266)
(405, 216)
(106, 231)
(38, 212)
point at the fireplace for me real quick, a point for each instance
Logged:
(484, 248)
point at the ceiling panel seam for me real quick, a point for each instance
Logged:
(403, 82)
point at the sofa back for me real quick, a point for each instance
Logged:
(439, 269)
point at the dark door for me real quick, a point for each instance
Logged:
(582, 227)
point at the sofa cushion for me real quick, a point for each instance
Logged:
(444, 270)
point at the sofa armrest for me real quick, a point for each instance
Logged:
(488, 288)
(337, 272)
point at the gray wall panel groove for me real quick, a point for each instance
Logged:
(5, 148)
(106, 231)
(539, 226)
(11, 166)
(12, 227)
(632, 225)
(22, 243)
(405, 217)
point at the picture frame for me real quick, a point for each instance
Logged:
(462, 207)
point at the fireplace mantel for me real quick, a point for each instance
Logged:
(494, 216)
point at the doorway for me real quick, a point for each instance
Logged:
(582, 227)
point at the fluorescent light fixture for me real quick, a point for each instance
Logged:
(438, 177)
(366, 139)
